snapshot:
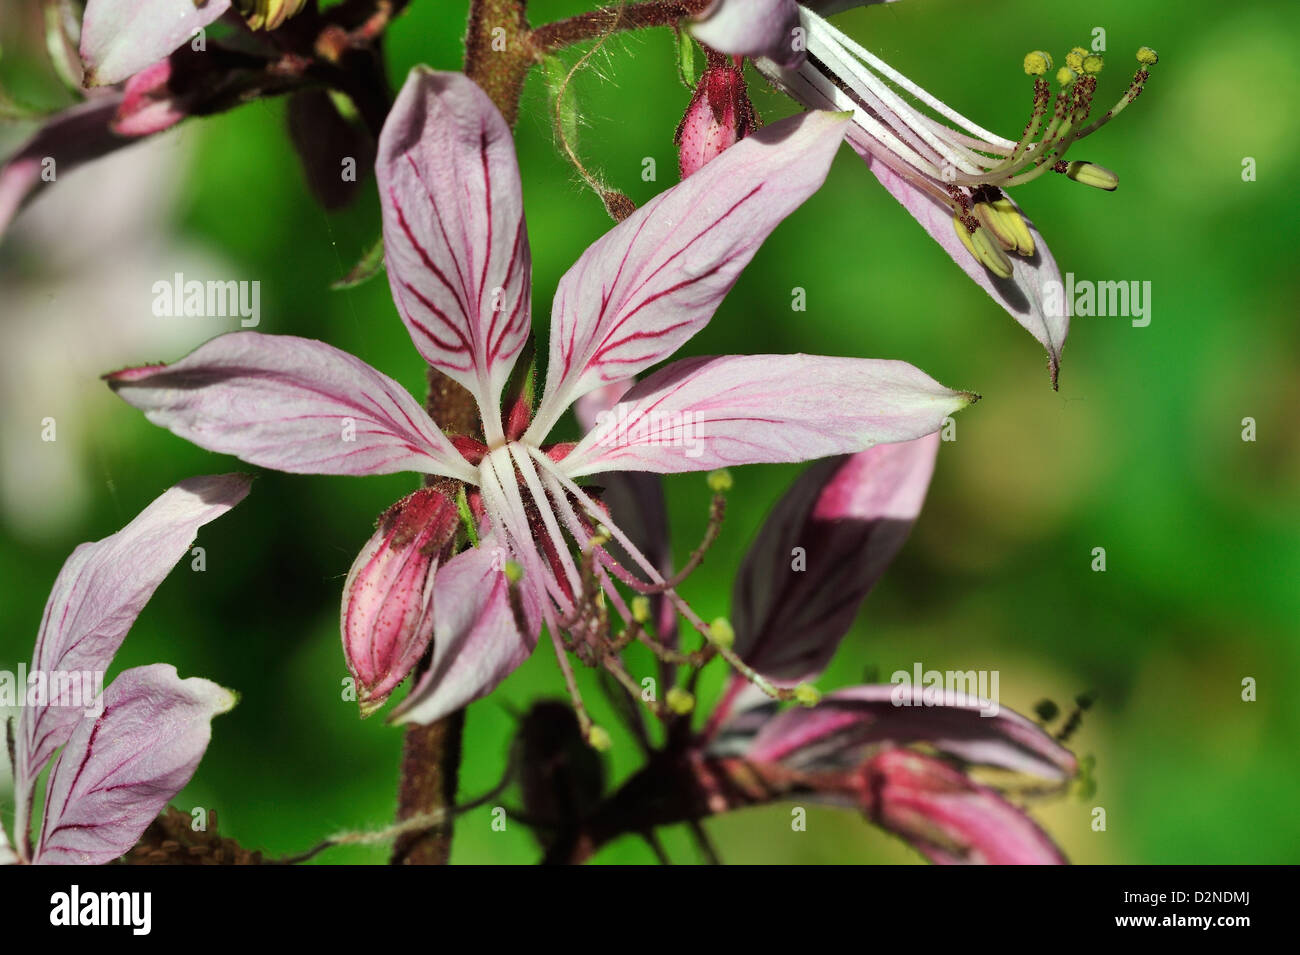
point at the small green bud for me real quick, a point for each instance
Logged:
(680, 701)
(807, 694)
(640, 608)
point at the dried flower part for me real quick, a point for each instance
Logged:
(719, 115)
(563, 777)
(171, 839)
(388, 598)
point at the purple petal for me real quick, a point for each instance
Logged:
(98, 594)
(656, 279)
(847, 517)
(454, 235)
(845, 725)
(950, 818)
(76, 135)
(703, 413)
(752, 28)
(1033, 294)
(120, 769)
(122, 37)
(291, 404)
(476, 643)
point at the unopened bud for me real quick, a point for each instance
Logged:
(718, 116)
(387, 612)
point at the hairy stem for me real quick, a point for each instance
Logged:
(614, 19)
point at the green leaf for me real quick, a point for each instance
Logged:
(371, 264)
(686, 60)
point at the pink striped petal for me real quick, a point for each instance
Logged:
(291, 404)
(752, 28)
(121, 768)
(1032, 295)
(850, 723)
(847, 517)
(122, 37)
(476, 643)
(654, 280)
(74, 136)
(703, 413)
(98, 594)
(454, 235)
(949, 818)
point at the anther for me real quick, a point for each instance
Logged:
(721, 634)
(680, 701)
(1090, 174)
(807, 695)
(1037, 63)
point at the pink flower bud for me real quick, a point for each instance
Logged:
(388, 598)
(719, 115)
(148, 104)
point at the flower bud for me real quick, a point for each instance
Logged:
(387, 617)
(719, 115)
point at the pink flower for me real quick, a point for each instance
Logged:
(949, 172)
(459, 267)
(125, 754)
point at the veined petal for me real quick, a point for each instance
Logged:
(847, 724)
(121, 37)
(96, 598)
(949, 818)
(454, 235)
(703, 413)
(1033, 295)
(656, 279)
(849, 517)
(752, 28)
(74, 136)
(120, 769)
(476, 643)
(291, 404)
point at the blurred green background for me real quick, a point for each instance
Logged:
(1140, 452)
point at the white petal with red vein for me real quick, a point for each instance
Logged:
(454, 235)
(656, 279)
(703, 413)
(292, 404)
